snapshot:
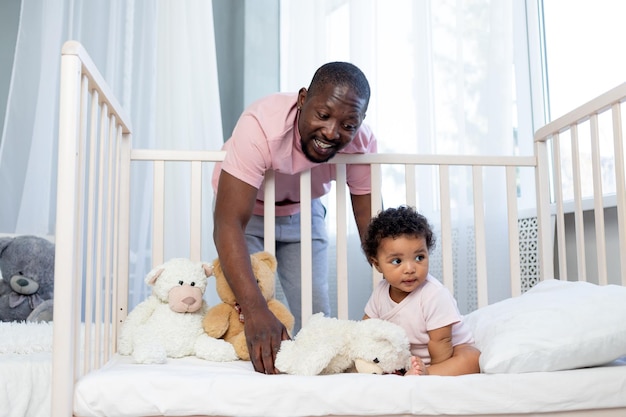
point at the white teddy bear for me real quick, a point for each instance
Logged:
(169, 322)
(327, 345)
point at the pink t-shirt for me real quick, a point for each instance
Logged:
(428, 307)
(266, 137)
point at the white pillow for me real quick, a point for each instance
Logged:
(554, 326)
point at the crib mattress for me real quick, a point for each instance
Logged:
(191, 386)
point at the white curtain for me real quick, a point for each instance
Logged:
(159, 59)
(447, 77)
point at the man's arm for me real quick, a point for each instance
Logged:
(233, 208)
(362, 209)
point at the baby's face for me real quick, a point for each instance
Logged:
(403, 261)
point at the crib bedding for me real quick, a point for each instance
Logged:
(191, 386)
(541, 369)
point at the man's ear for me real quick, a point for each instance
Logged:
(301, 97)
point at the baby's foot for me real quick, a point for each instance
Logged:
(417, 367)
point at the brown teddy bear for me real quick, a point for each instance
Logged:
(225, 321)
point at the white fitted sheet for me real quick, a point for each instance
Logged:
(191, 386)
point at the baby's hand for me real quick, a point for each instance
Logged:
(417, 367)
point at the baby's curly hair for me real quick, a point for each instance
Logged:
(395, 222)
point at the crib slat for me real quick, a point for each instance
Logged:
(410, 184)
(80, 219)
(620, 182)
(598, 202)
(110, 324)
(306, 245)
(446, 227)
(479, 236)
(269, 211)
(158, 213)
(110, 202)
(545, 235)
(513, 231)
(123, 226)
(560, 214)
(97, 305)
(195, 206)
(96, 116)
(342, 242)
(377, 206)
(578, 208)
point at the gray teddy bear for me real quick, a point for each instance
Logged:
(27, 284)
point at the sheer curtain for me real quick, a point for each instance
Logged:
(158, 58)
(447, 77)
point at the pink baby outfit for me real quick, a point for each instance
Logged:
(428, 307)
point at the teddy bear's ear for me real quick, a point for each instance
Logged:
(208, 269)
(4, 242)
(153, 275)
(268, 258)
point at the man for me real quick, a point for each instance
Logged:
(288, 133)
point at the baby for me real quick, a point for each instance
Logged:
(397, 243)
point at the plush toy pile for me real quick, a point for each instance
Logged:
(328, 346)
(225, 320)
(27, 284)
(169, 322)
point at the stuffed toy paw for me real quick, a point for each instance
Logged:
(27, 284)
(168, 324)
(327, 345)
(225, 321)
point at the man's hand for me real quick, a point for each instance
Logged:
(264, 333)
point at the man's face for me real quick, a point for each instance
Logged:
(328, 120)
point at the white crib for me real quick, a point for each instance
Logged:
(92, 269)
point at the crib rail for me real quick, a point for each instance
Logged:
(91, 241)
(583, 156)
(407, 163)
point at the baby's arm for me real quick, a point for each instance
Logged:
(440, 350)
(440, 344)
(448, 360)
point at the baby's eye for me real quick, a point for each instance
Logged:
(420, 258)
(395, 261)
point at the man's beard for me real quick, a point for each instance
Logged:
(312, 157)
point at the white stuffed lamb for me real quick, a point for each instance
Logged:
(328, 345)
(169, 322)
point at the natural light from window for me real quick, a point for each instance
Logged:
(584, 58)
(585, 50)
